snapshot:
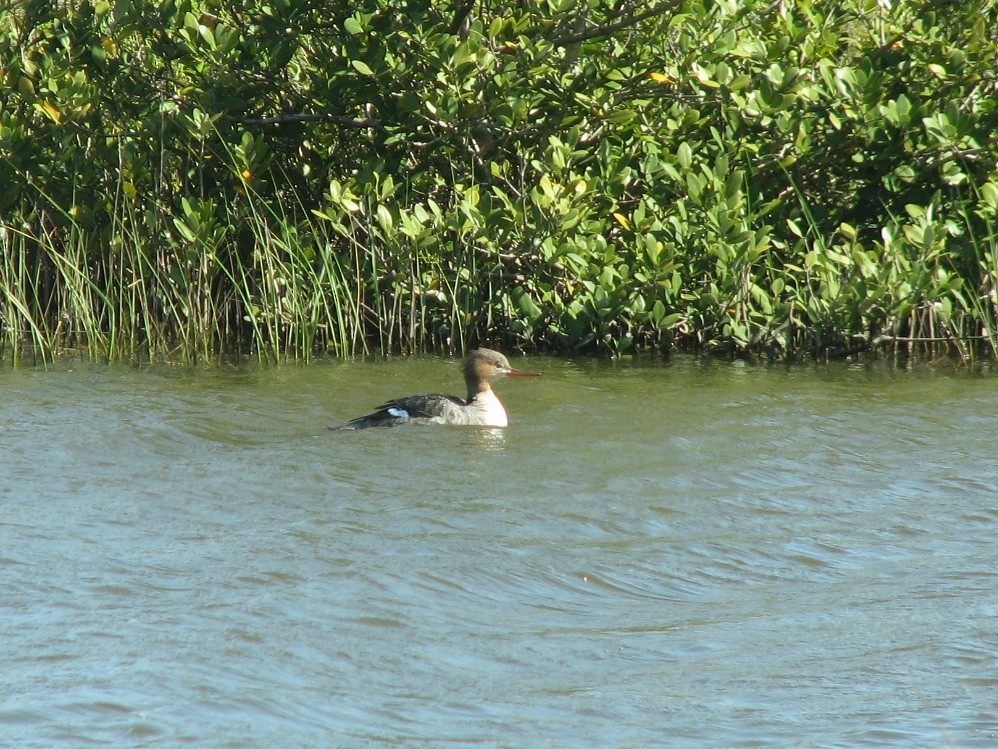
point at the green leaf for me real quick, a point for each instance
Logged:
(684, 155)
(989, 194)
(657, 312)
(525, 303)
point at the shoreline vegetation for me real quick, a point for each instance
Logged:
(282, 179)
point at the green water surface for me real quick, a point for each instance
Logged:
(652, 554)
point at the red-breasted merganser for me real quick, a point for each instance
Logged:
(482, 408)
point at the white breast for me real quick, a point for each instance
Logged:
(488, 411)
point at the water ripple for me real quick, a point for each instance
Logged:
(686, 554)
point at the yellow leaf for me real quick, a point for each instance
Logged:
(661, 78)
(52, 111)
(622, 220)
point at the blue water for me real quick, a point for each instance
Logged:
(652, 554)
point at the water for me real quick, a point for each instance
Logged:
(651, 555)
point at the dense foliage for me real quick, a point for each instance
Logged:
(282, 177)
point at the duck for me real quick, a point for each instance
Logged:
(482, 407)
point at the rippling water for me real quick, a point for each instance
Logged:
(651, 555)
